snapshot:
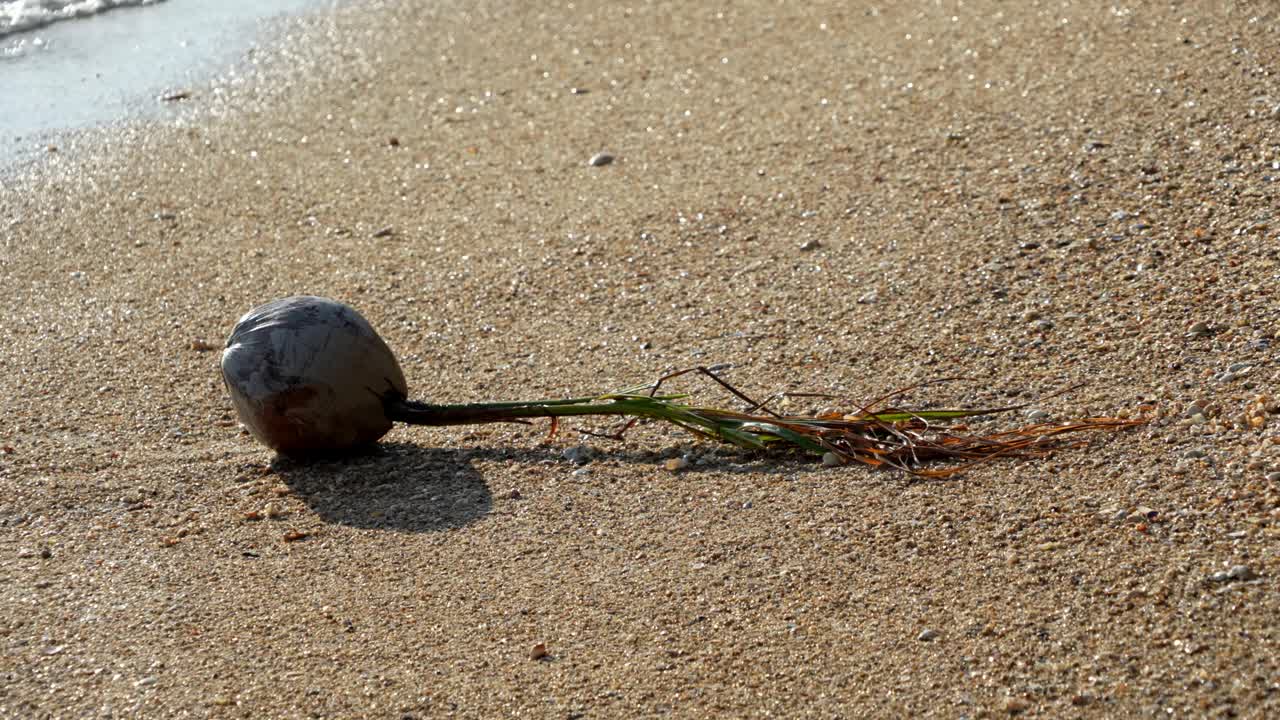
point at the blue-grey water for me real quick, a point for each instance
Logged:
(114, 65)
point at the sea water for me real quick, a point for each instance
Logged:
(18, 15)
(73, 64)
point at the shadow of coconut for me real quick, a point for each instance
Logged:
(393, 486)
(409, 488)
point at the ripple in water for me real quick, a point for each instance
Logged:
(19, 15)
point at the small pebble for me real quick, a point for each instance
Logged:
(1241, 573)
(676, 464)
(1014, 706)
(810, 244)
(600, 159)
(1273, 476)
(1037, 415)
(927, 634)
(578, 454)
(1082, 699)
(539, 652)
(1198, 329)
(831, 459)
(1237, 573)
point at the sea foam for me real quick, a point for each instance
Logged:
(19, 15)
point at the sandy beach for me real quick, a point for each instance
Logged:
(832, 197)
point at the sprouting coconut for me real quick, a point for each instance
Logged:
(310, 375)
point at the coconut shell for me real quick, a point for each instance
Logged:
(310, 375)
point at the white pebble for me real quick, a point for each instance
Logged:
(600, 159)
(1241, 572)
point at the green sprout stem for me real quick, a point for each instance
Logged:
(895, 437)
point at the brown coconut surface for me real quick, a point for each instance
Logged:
(833, 197)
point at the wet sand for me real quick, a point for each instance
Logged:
(116, 66)
(832, 199)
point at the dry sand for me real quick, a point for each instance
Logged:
(1025, 194)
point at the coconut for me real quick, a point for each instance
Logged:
(309, 374)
